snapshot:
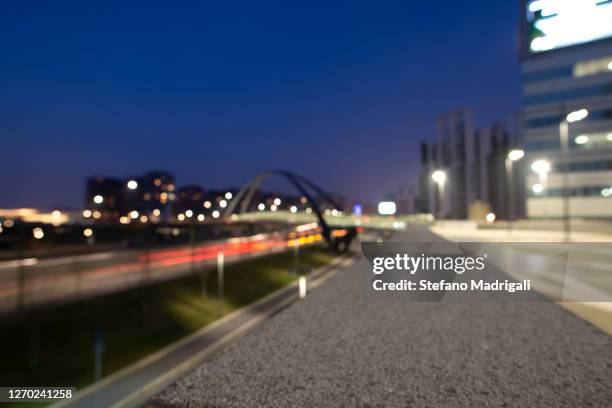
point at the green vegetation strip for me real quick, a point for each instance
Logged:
(56, 347)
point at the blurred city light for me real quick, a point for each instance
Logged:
(277, 201)
(132, 184)
(542, 167)
(582, 139)
(293, 209)
(86, 213)
(181, 217)
(201, 217)
(387, 208)
(222, 203)
(156, 212)
(439, 176)
(38, 233)
(537, 188)
(216, 214)
(134, 214)
(228, 195)
(490, 217)
(88, 232)
(98, 199)
(516, 154)
(207, 204)
(261, 207)
(188, 213)
(576, 116)
(273, 207)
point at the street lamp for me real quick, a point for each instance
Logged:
(571, 117)
(439, 177)
(542, 167)
(513, 155)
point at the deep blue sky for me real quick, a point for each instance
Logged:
(215, 92)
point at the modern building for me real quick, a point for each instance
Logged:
(111, 198)
(566, 59)
(466, 172)
(105, 197)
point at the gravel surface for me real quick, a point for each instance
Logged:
(342, 346)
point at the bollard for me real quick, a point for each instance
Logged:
(302, 286)
(220, 262)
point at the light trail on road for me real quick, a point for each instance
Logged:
(34, 282)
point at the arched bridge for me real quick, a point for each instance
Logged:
(242, 202)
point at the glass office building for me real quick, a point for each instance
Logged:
(566, 59)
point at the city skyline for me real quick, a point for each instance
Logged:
(197, 90)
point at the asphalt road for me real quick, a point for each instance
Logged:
(345, 346)
(34, 282)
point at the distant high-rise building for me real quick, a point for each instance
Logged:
(464, 167)
(566, 58)
(152, 193)
(104, 195)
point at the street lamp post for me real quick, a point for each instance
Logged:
(513, 155)
(439, 177)
(572, 117)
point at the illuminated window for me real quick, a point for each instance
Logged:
(593, 67)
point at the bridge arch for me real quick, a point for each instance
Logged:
(242, 201)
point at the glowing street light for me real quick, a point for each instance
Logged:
(513, 156)
(38, 233)
(542, 167)
(188, 213)
(277, 201)
(490, 217)
(571, 117)
(98, 199)
(576, 116)
(134, 214)
(293, 209)
(132, 184)
(87, 232)
(261, 207)
(216, 214)
(207, 204)
(228, 195)
(581, 139)
(222, 203)
(516, 154)
(537, 188)
(439, 177)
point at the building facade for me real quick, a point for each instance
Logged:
(566, 60)
(466, 173)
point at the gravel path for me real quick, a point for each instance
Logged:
(342, 346)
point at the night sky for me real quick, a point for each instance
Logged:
(340, 92)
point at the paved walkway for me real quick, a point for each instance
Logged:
(345, 346)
